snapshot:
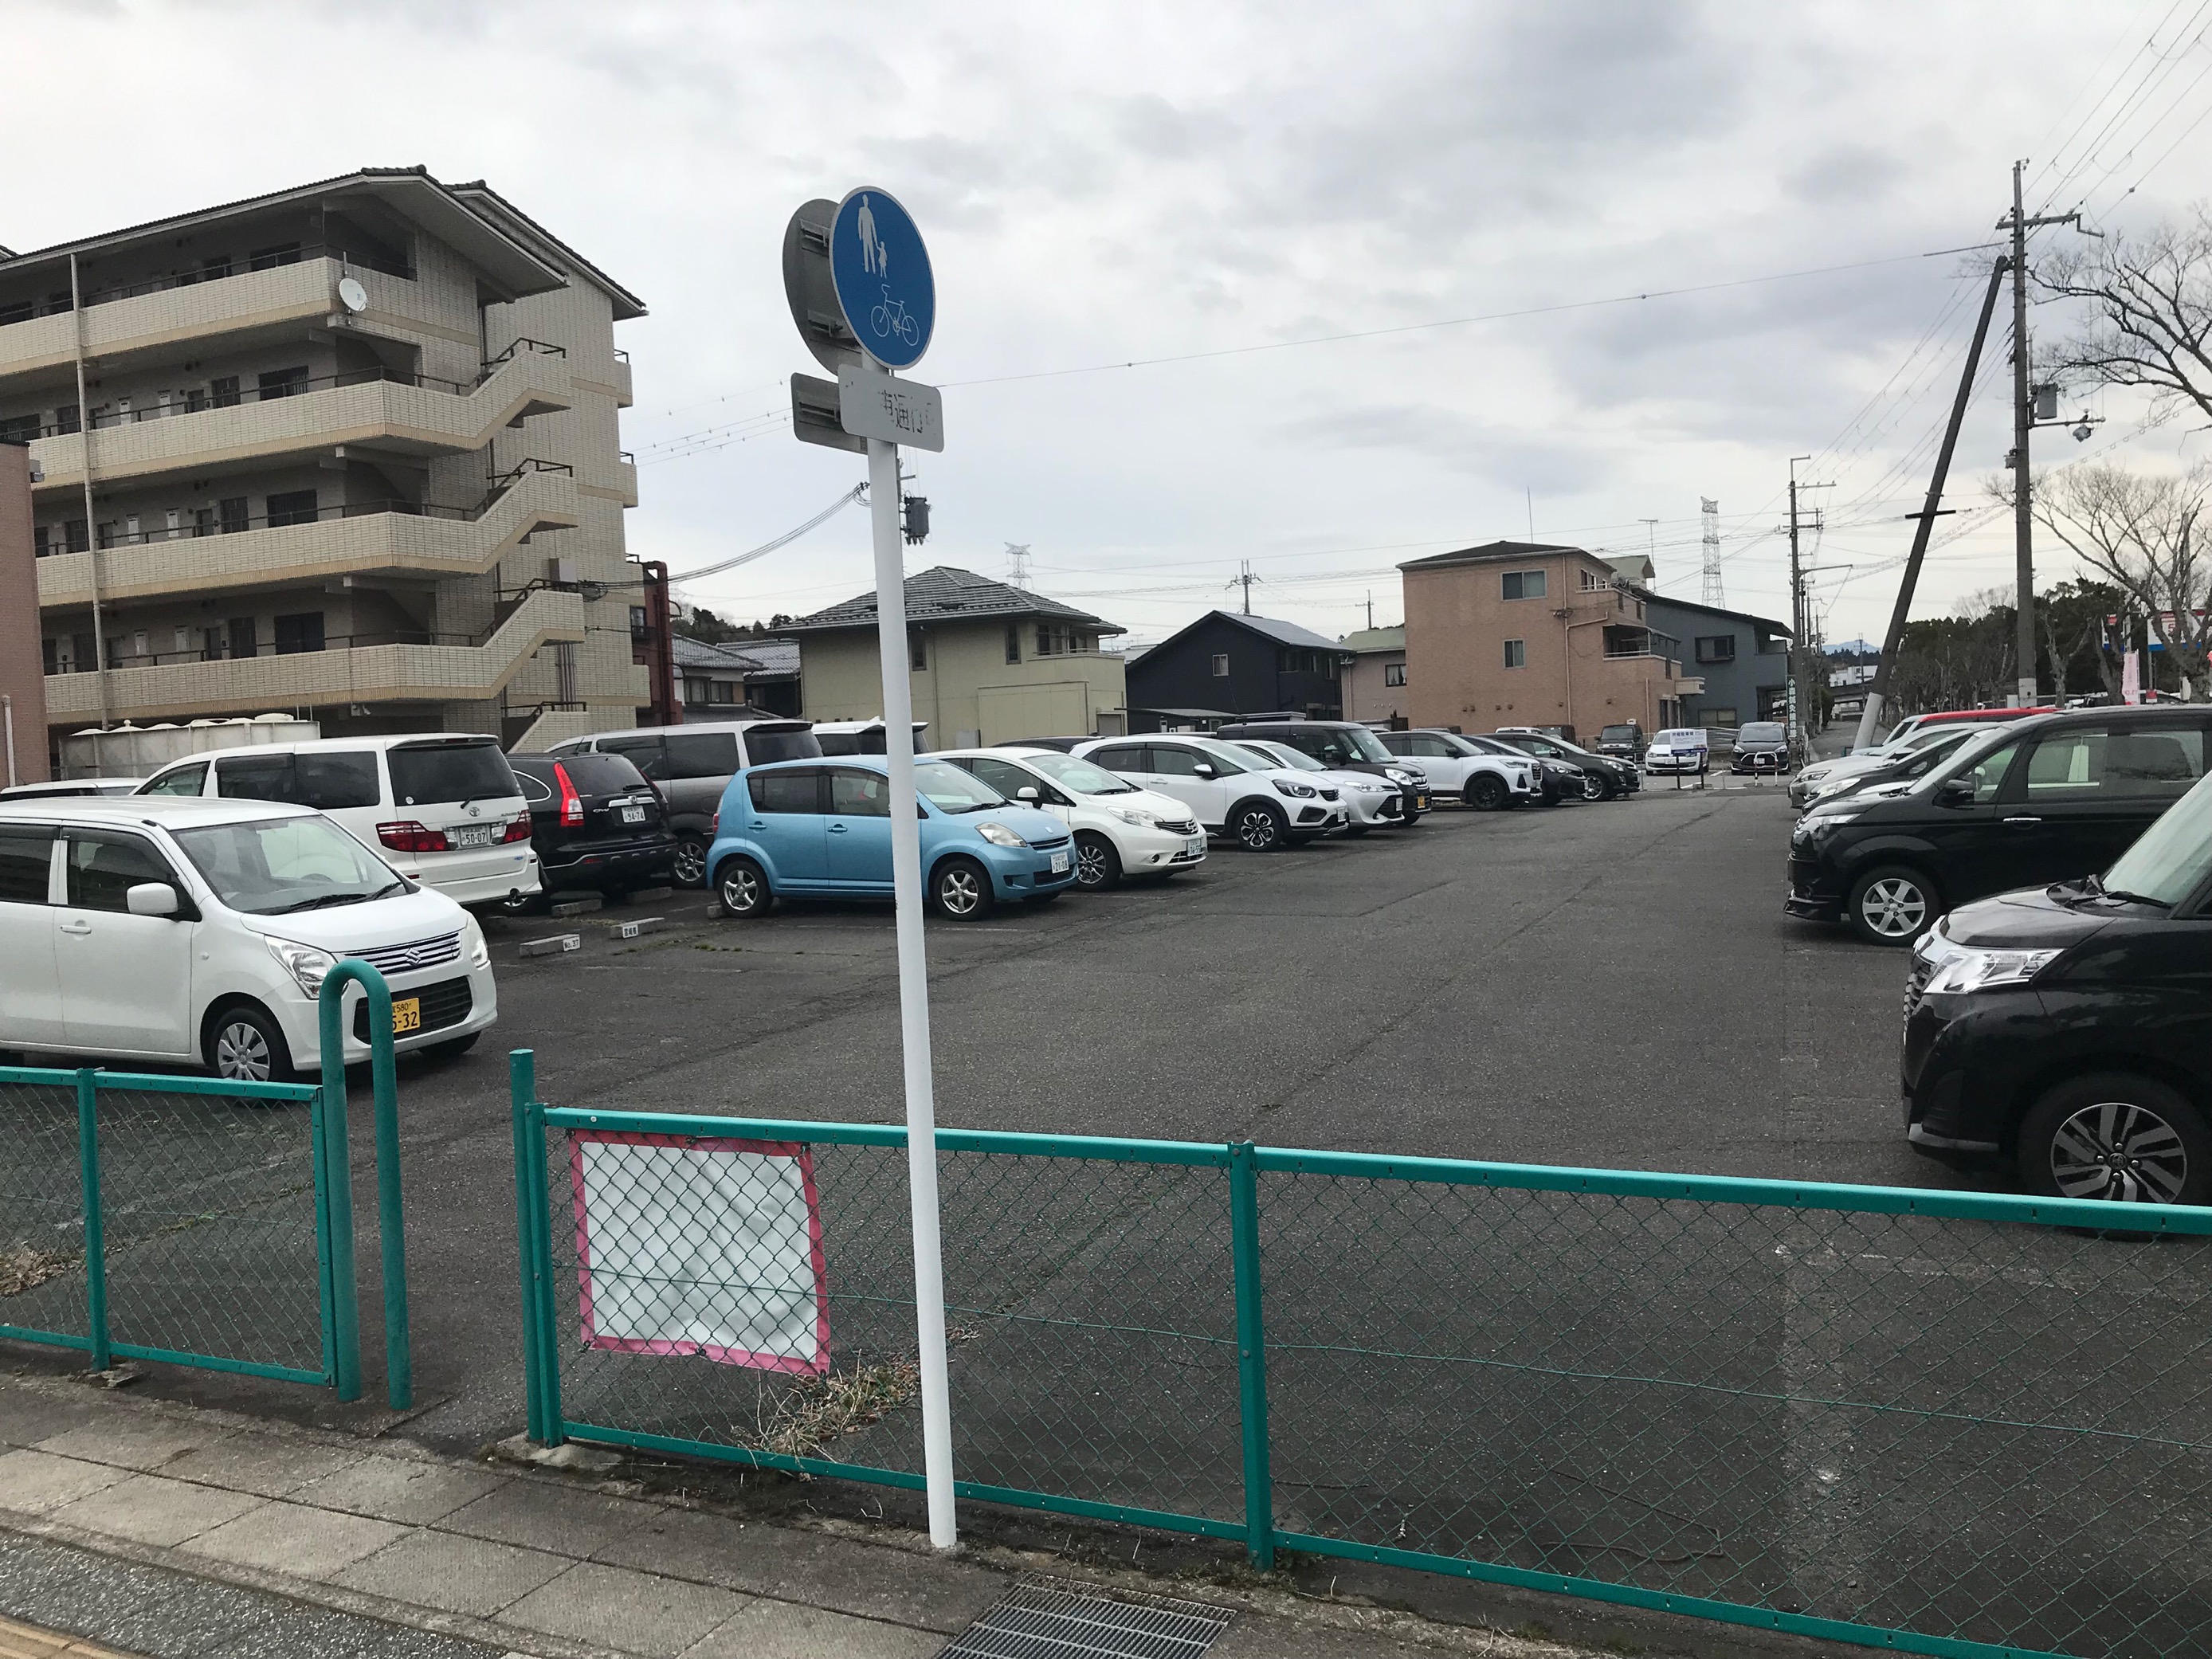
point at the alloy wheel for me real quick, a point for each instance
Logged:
(959, 891)
(689, 864)
(1895, 907)
(1257, 829)
(1593, 787)
(1090, 864)
(241, 1054)
(2119, 1151)
(741, 891)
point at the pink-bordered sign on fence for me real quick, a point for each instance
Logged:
(690, 1245)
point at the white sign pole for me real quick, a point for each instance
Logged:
(913, 989)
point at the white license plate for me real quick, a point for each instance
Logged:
(633, 815)
(1059, 864)
(1196, 844)
(474, 834)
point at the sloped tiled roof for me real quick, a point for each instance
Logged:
(946, 594)
(1282, 633)
(748, 657)
(1375, 639)
(1489, 551)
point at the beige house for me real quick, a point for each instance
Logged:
(988, 663)
(1374, 685)
(1528, 633)
(351, 450)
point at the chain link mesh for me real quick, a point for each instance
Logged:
(42, 1285)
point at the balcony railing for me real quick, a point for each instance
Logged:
(268, 259)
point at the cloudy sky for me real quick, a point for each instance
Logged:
(1105, 184)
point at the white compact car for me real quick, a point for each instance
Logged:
(1368, 798)
(442, 809)
(1121, 830)
(149, 929)
(1482, 781)
(1231, 790)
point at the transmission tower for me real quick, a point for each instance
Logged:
(1712, 513)
(1018, 555)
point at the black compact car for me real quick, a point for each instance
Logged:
(1604, 778)
(2051, 799)
(1761, 746)
(2069, 1028)
(595, 824)
(1346, 746)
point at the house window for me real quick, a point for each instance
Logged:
(1516, 653)
(222, 391)
(1524, 585)
(301, 631)
(292, 507)
(1592, 582)
(917, 653)
(1221, 664)
(244, 641)
(1719, 717)
(19, 429)
(282, 382)
(67, 417)
(1013, 643)
(1716, 647)
(1393, 673)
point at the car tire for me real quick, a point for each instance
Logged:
(1485, 792)
(1593, 786)
(2118, 1136)
(1097, 863)
(742, 887)
(245, 1044)
(451, 1049)
(1892, 904)
(689, 867)
(960, 889)
(1259, 827)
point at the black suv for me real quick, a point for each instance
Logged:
(2070, 1027)
(1345, 746)
(2051, 799)
(595, 823)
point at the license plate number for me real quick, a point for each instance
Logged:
(1420, 803)
(474, 834)
(406, 1015)
(1059, 864)
(633, 815)
(1196, 844)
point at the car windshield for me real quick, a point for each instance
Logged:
(1079, 776)
(272, 866)
(1761, 732)
(949, 789)
(1228, 760)
(1363, 743)
(1281, 754)
(1963, 759)
(434, 773)
(1617, 734)
(2172, 858)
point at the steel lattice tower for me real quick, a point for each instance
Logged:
(1712, 513)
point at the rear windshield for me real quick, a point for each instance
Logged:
(431, 773)
(765, 746)
(601, 775)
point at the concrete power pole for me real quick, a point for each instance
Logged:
(1799, 614)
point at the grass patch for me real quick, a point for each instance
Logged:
(811, 1415)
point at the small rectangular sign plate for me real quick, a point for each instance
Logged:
(814, 414)
(872, 405)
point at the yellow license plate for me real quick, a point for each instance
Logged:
(406, 1015)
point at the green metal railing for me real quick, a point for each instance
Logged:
(201, 1222)
(1936, 1422)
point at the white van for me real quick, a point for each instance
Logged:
(146, 928)
(441, 809)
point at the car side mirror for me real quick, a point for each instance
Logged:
(1203, 769)
(1028, 793)
(1955, 792)
(151, 898)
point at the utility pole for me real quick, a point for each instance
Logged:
(2023, 422)
(1371, 609)
(1799, 738)
(1245, 581)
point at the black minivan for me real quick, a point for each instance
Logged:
(2052, 798)
(2069, 1027)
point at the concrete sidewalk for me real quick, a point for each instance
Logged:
(158, 1529)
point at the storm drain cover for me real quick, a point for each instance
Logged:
(1045, 1619)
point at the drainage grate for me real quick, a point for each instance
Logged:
(1048, 1618)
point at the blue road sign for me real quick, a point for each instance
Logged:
(883, 281)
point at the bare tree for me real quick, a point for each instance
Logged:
(2139, 532)
(2149, 303)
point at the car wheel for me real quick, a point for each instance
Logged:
(1485, 792)
(961, 889)
(451, 1049)
(2116, 1136)
(1593, 788)
(1893, 905)
(245, 1044)
(689, 867)
(1258, 827)
(1097, 865)
(743, 888)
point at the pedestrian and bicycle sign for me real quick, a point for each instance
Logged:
(884, 286)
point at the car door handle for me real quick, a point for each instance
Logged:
(2023, 820)
(74, 927)
(836, 829)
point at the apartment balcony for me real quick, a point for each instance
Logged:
(623, 395)
(404, 669)
(160, 316)
(387, 539)
(377, 410)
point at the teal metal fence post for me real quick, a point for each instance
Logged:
(540, 1309)
(398, 1351)
(1251, 1355)
(95, 1247)
(319, 1144)
(522, 1089)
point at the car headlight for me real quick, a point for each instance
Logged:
(306, 963)
(1138, 816)
(1295, 791)
(1399, 774)
(1964, 969)
(998, 836)
(479, 951)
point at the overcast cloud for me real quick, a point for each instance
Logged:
(1107, 183)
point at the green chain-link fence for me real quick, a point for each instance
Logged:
(1941, 1423)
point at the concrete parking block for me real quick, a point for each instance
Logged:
(552, 945)
(35, 1482)
(642, 925)
(578, 907)
(539, 1516)
(457, 1575)
(779, 1630)
(270, 1467)
(635, 1612)
(395, 1489)
(293, 1539)
(863, 1579)
(131, 1439)
(149, 1508)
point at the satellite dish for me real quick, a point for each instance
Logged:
(351, 294)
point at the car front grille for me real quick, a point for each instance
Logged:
(448, 1002)
(1058, 841)
(407, 958)
(1179, 826)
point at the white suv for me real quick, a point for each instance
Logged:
(1482, 781)
(1121, 830)
(445, 811)
(1231, 790)
(1368, 797)
(136, 928)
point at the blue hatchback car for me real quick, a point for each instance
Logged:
(823, 828)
